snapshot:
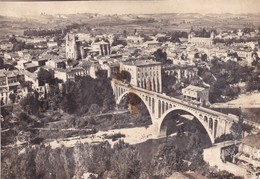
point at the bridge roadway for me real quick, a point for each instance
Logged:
(187, 104)
(160, 105)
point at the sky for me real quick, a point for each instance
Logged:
(126, 7)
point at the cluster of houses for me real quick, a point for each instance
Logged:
(239, 157)
(82, 54)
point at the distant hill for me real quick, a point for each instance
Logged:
(157, 22)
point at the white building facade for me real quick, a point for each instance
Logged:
(144, 74)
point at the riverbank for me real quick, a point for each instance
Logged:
(132, 136)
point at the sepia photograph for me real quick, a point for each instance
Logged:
(130, 89)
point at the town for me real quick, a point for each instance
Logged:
(130, 99)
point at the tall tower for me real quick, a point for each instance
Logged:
(104, 48)
(212, 38)
(190, 36)
(71, 47)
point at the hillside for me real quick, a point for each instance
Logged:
(151, 22)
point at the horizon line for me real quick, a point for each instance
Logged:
(110, 7)
(157, 13)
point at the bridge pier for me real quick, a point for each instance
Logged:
(162, 132)
(155, 128)
(116, 107)
(156, 111)
(157, 131)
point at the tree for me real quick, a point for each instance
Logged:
(43, 32)
(26, 84)
(44, 77)
(203, 33)
(236, 130)
(28, 46)
(204, 57)
(136, 52)
(160, 55)
(239, 128)
(108, 103)
(224, 137)
(23, 119)
(168, 82)
(78, 96)
(170, 160)
(18, 46)
(197, 55)
(54, 97)
(254, 63)
(117, 41)
(1, 63)
(69, 104)
(12, 97)
(94, 109)
(101, 74)
(251, 85)
(9, 67)
(162, 39)
(12, 39)
(126, 76)
(178, 34)
(245, 128)
(24, 136)
(30, 104)
(123, 76)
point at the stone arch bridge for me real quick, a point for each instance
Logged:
(160, 105)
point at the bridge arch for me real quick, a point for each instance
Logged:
(191, 112)
(120, 98)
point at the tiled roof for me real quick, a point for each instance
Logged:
(9, 73)
(194, 88)
(141, 63)
(33, 76)
(30, 65)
